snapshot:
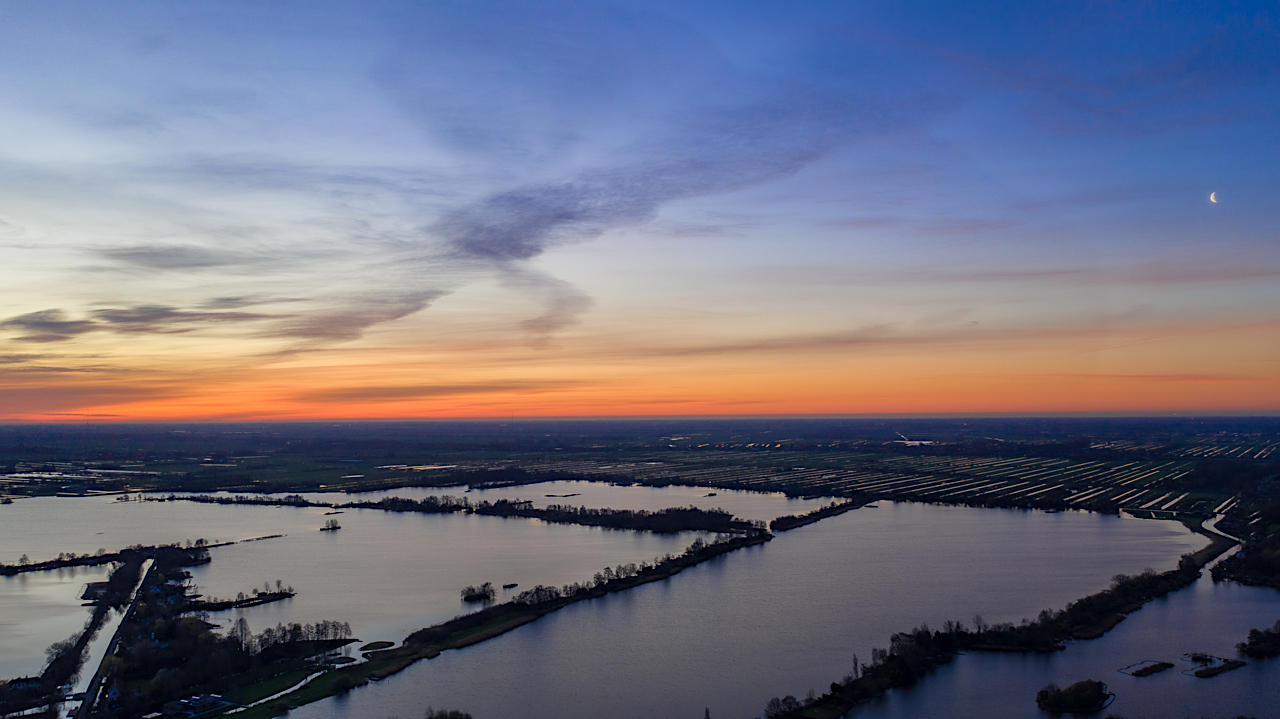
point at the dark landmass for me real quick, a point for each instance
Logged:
(66, 658)
(164, 650)
(674, 519)
(1258, 563)
(1150, 669)
(66, 560)
(250, 601)
(483, 593)
(1169, 467)
(1083, 697)
(1214, 670)
(791, 521)
(1262, 643)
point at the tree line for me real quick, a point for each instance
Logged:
(673, 519)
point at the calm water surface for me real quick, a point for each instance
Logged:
(777, 619)
(38, 609)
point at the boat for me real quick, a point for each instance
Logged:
(709, 494)
(511, 585)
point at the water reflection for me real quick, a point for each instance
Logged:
(38, 609)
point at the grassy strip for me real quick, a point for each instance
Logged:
(791, 521)
(1151, 669)
(255, 600)
(1226, 666)
(260, 690)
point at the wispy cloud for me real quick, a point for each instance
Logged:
(417, 392)
(1171, 378)
(54, 325)
(47, 326)
(167, 320)
(349, 321)
(172, 257)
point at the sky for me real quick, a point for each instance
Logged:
(315, 210)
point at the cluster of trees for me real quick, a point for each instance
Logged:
(483, 593)
(1262, 643)
(446, 714)
(255, 596)
(281, 634)
(673, 519)
(292, 500)
(64, 559)
(791, 521)
(1084, 696)
(427, 505)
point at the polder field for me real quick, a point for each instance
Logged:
(1142, 467)
(1107, 484)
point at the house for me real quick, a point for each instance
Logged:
(25, 684)
(196, 705)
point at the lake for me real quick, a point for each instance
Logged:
(385, 573)
(782, 618)
(38, 609)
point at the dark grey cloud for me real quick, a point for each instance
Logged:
(403, 393)
(240, 302)
(636, 109)
(167, 320)
(47, 326)
(172, 257)
(350, 321)
(54, 325)
(12, 359)
(562, 303)
(722, 150)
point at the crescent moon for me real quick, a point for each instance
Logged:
(1213, 199)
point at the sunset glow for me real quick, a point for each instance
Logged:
(385, 210)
